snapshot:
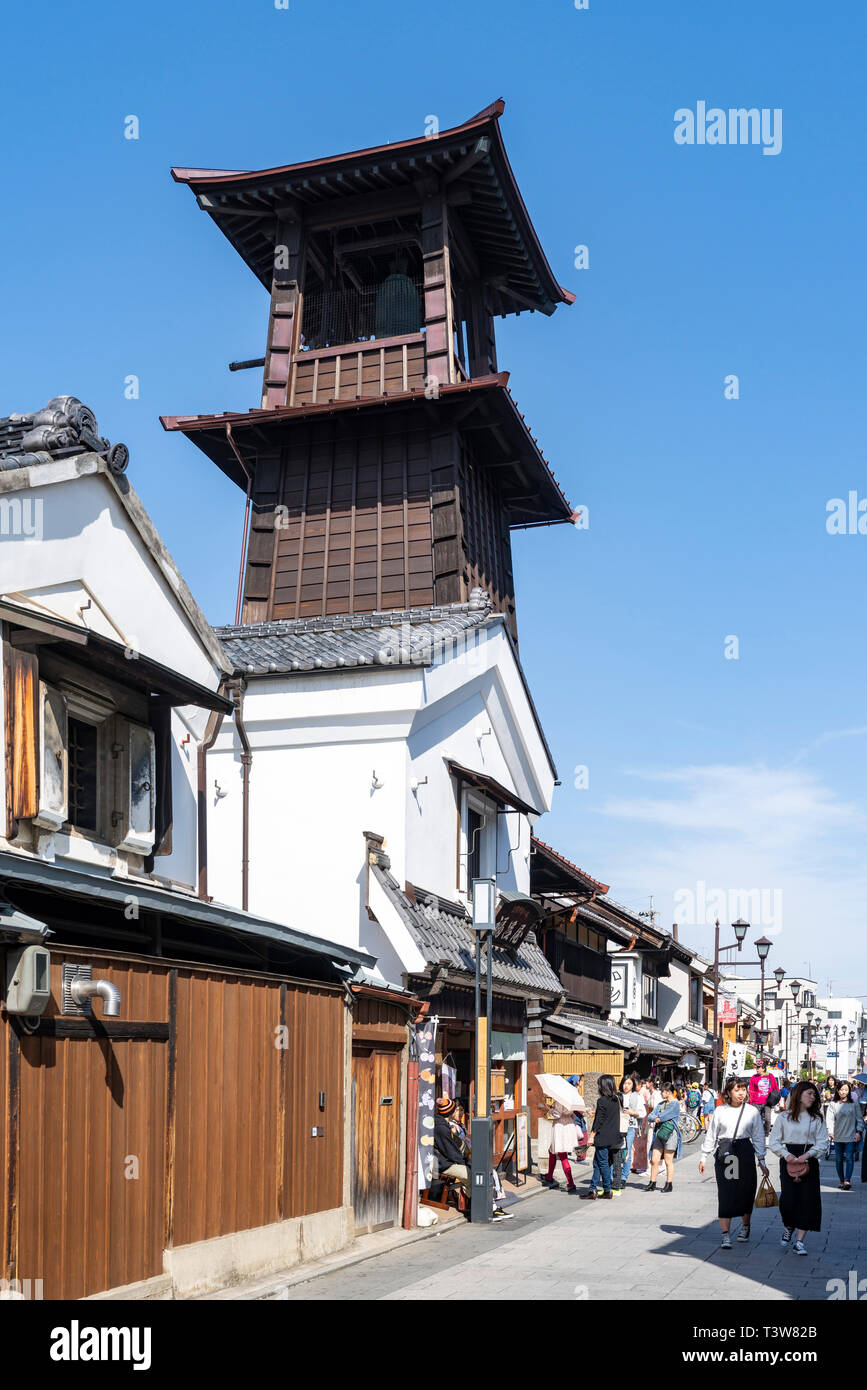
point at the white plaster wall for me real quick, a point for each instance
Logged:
(89, 550)
(317, 741)
(672, 996)
(87, 536)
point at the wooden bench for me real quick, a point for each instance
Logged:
(450, 1185)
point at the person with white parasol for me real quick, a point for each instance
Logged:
(560, 1105)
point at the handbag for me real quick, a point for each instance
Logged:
(725, 1146)
(766, 1196)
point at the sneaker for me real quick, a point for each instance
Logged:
(799, 1248)
(786, 1236)
(606, 1196)
(726, 1242)
(589, 1196)
(615, 1191)
(549, 1182)
(599, 1191)
(744, 1233)
(572, 1191)
(500, 1215)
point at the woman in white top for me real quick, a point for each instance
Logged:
(635, 1108)
(799, 1136)
(736, 1137)
(845, 1130)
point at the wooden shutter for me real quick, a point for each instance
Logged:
(161, 721)
(22, 736)
(134, 758)
(52, 810)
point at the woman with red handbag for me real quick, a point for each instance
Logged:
(799, 1137)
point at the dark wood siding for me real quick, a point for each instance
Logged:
(584, 974)
(371, 515)
(216, 1116)
(92, 1113)
(487, 549)
(357, 370)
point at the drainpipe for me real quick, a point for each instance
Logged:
(249, 476)
(246, 764)
(212, 728)
(410, 1185)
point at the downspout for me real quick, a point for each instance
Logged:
(212, 729)
(246, 764)
(249, 476)
(410, 1186)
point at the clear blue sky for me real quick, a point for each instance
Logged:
(707, 515)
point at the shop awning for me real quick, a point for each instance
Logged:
(507, 1047)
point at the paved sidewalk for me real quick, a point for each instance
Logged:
(640, 1246)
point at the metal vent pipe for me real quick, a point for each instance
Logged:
(82, 990)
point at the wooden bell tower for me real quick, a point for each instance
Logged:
(387, 462)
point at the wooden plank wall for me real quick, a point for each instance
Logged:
(245, 1155)
(487, 543)
(89, 1112)
(227, 1105)
(358, 370)
(356, 537)
(226, 1147)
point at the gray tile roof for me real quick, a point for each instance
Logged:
(443, 934)
(636, 1035)
(63, 427)
(399, 637)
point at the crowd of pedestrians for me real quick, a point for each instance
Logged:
(637, 1128)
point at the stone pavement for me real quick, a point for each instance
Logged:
(642, 1245)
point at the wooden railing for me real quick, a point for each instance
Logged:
(378, 367)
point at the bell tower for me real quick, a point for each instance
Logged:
(386, 462)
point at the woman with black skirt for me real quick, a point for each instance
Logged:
(736, 1138)
(799, 1136)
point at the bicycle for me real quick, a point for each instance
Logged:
(690, 1128)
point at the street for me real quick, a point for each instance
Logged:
(638, 1246)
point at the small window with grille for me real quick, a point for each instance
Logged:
(83, 751)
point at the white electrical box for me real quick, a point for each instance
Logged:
(28, 980)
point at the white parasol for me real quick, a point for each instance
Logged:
(558, 1088)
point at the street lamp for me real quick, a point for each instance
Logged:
(763, 945)
(484, 894)
(809, 1059)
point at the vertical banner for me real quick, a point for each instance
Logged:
(425, 1039)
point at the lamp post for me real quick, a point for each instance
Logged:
(763, 946)
(484, 920)
(809, 1059)
(794, 990)
(740, 929)
(779, 976)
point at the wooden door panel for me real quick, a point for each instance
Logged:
(376, 1137)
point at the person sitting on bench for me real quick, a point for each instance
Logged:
(452, 1161)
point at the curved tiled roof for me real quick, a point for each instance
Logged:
(444, 935)
(63, 427)
(400, 637)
